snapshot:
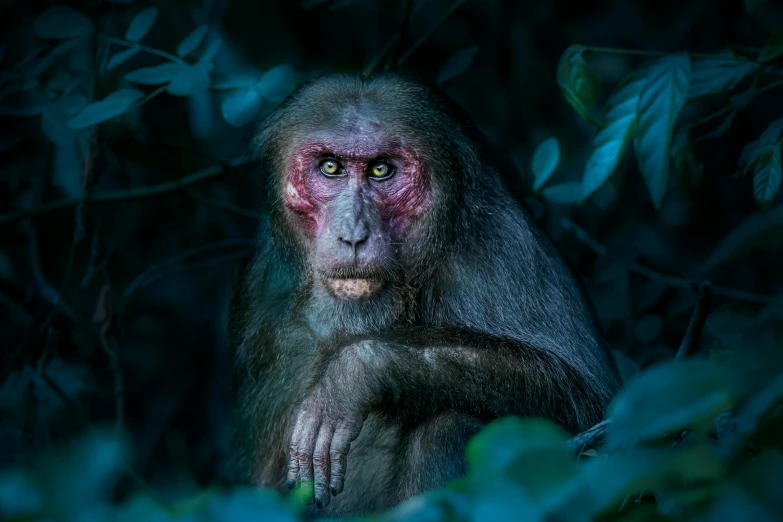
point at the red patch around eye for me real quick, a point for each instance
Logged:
(399, 199)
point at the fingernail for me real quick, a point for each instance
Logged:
(334, 491)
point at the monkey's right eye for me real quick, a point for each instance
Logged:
(330, 167)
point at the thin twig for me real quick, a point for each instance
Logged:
(151, 50)
(125, 195)
(590, 438)
(402, 37)
(690, 343)
(380, 54)
(730, 108)
(679, 282)
(244, 212)
(429, 33)
(641, 52)
(156, 270)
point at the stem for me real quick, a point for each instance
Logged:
(148, 97)
(403, 36)
(128, 194)
(244, 212)
(679, 282)
(730, 108)
(151, 50)
(432, 29)
(690, 342)
(640, 52)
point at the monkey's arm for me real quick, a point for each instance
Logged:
(426, 370)
(421, 372)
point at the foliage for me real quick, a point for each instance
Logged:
(693, 439)
(645, 108)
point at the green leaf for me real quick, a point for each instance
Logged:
(579, 84)
(687, 167)
(631, 472)
(660, 103)
(62, 23)
(241, 106)
(759, 229)
(113, 105)
(277, 83)
(157, 74)
(665, 399)
(457, 64)
(767, 177)
(565, 193)
(234, 81)
(728, 324)
(496, 448)
(192, 79)
(611, 140)
(122, 57)
(210, 52)
(773, 47)
(191, 41)
(753, 150)
(754, 7)
(716, 75)
(54, 123)
(545, 160)
(80, 476)
(141, 24)
(67, 168)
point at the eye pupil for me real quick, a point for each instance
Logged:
(329, 167)
(380, 170)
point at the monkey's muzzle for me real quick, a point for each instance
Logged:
(358, 288)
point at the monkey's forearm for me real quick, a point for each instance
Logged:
(430, 371)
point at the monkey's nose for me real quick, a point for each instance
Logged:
(354, 240)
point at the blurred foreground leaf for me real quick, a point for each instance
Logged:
(666, 399)
(457, 64)
(113, 105)
(141, 24)
(62, 23)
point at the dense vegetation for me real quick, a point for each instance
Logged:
(125, 207)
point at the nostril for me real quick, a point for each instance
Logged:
(354, 242)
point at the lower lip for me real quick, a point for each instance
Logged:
(354, 288)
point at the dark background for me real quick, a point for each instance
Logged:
(81, 346)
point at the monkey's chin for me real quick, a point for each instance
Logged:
(353, 289)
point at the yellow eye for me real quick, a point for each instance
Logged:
(380, 170)
(330, 167)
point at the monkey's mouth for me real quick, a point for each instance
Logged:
(353, 284)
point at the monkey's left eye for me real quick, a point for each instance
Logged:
(380, 171)
(329, 167)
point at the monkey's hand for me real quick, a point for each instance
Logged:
(329, 419)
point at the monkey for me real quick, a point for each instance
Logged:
(399, 299)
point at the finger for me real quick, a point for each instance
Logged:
(305, 450)
(338, 455)
(293, 456)
(321, 466)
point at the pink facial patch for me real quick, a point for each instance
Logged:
(399, 199)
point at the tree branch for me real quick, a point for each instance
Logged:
(126, 195)
(429, 33)
(690, 343)
(649, 273)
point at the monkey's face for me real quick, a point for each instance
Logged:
(356, 193)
